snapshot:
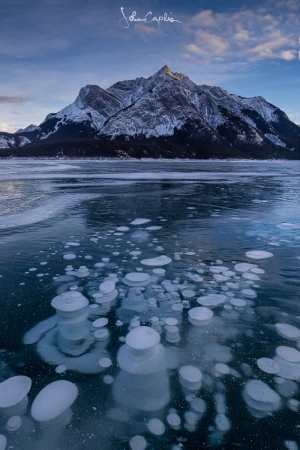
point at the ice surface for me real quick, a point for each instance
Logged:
(158, 261)
(142, 338)
(259, 254)
(13, 390)
(156, 427)
(288, 331)
(53, 400)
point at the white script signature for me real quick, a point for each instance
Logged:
(147, 19)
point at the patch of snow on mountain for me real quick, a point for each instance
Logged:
(275, 139)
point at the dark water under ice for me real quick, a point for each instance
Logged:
(210, 213)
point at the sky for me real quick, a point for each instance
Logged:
(49, 49)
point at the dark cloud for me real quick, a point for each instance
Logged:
(18, 99)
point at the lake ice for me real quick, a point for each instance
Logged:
(149, 304)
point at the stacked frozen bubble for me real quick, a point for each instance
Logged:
(136, 279)
(288, 360)
(142, 383)
(200, 316)
(69, 304)
(261, 400)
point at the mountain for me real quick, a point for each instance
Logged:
(165, 115)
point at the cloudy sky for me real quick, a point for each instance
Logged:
(49, 49)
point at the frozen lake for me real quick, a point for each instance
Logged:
(149, 305)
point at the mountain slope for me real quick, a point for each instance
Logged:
(202, 118)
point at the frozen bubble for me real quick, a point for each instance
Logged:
(190, 377)
(154, 228)
(288, 226)
(177, 307)
(3, 442)
(222, 368)
(53, 400)
(268, 365)
(13, 423)
(222, 423)
(32, 269)
(211, 300)
(291, 445)
(220, 353)
(244, 267)
(156, 427)
(260, 396)
(101, 334)
(69, 256)
(259, 254)
(135, 253)
(256, 270)
(288, 331)
(137, 443)
(105, 362)
(13, 390)
(158, 261)
(174, 420)
(61, 368)
(142, 338)
(159, 272)
(249, 293)
(198, 405)
(98, 323)
(99, 264)
(107, 287)
(108, 379)
(188, 293)
(200, 315)
(250, 276)
(171, 321)
(218, 269)
(123, 228)
(69, 303)
(238, 302)
(136, 279)
(140, 221)
(73, 244)
(288, 354)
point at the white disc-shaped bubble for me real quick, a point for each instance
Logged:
(3, 442)
(249, 293)
(105, 362)
(101, 322)
(198, 405)
(69, 302)
(13, 423)
(158, 261)
(60, 369)
(142, 338)
(211, 300)
(191, 374)
(259, 254)
(268, 365)
(159, 272)
(261, 392)
(107, 287)
(53, 400)
(244, 267)
(171, 321)
(238, 302)
(173, 420)
(13, 390)
(137, 443)
(101, 334)
(288, 331)
(156, 427)
(69, 256)
(289, 354)
(154, 228)
(200, 315)
(222, 368)
(140, 221)
(123, 228)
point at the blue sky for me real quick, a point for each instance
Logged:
(49, 49)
